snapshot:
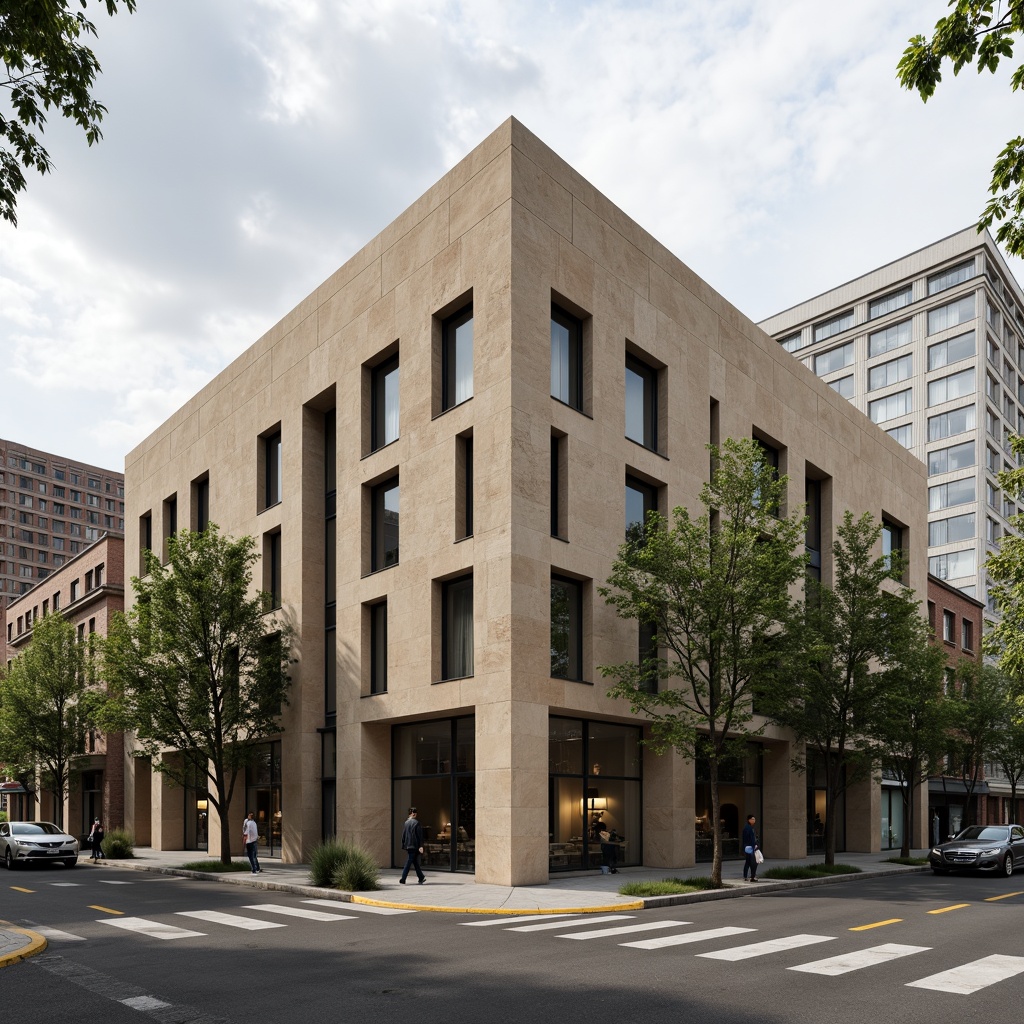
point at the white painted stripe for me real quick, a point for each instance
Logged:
(111, 881)
(56, 933)
(602, 933)
(154, 929)
(66, 885)
(561, 924)
(144, 1003)
(974, 976)
(680, 940)
(309, 915)
(858, 959)
(764, 948)
(363, 908)
(514, 920)
(231, 920)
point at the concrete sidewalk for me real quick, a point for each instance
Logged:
(580, 893)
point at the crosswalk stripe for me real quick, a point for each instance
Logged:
(66, 885)
(309, 915)
(111, 881)
(602, 933)
(858, 959)
(363, 908)
(561, 924)
(154, 929)
(688, 937)
(769, 946)
(231, 920)
(55, 933)
(973, 976)
(514, 920)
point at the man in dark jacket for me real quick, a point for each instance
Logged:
(412, 843)
(749, 843)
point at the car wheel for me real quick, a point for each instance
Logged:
(1008, 865)
(9, 860)
(71, 863)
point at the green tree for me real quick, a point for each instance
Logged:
(46, 707)
(910, 716)
(45, 66)
(1007, 749)
(196, 668)
(717, 590)
(980, 32)
(849, 639)
(1005, 570)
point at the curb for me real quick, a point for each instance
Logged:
(36, 944)
(609, 909)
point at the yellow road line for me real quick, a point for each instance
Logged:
(1005, 896)
(106, 910)
(18, 888)
(945, 910)
(876, 924)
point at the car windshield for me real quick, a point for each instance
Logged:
(984, 832)
(35, 828)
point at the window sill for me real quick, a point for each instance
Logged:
(267, 508)
(380, 449)
(379, 693)
(444, 412)
(452, 679)
(564, 540)
(373, 572)
(653, 451)
(574, 408)
(459, 540)
(581, 682)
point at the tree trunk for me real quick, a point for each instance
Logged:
(716, 858)
(908, 816)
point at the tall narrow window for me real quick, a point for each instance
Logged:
(457, 628)
(641, 403)
(646, 650)
(170, 524)
(272, 470)
(812, 533)
(330, 569)
(272, 569)
(464, 486)
(385, 403)
(566, 357)
(566, 628)
(385, 525)
(559, 485)
(641, 498)
(379, 647)
(892, 542)
(145, 540)
(200, 504)
(457, 358)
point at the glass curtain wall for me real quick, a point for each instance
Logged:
(739, 794)
(433, 770)
(595, 785)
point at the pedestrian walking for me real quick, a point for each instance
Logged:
(750, 848)
(252, 837)
(96, 839)
(412, 843)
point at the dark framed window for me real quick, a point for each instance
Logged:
(330, 571)
(559, 486)
(464, 486)
(647, 649)
(457, 628)
(145, 540)
(771, 460)
(457, 358)
(170, 524)
(200, 504)
(566, 629)
(641, 403)
(566, 357)
(641, 498)
(812, 532)
(892, 541)
(272, 470)
(385, 525)
(379, 647)
(272, 569)
(385, 404)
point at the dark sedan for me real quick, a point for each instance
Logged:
(998, 848)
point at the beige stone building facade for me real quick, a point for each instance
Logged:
(438, 451)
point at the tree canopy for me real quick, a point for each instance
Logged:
(46, 706)
(196, 668)
(717, 590)
(45, 65)
(982, 33)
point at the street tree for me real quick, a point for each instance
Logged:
(849, 627)
(46, 705)
(1005, 570)
(982, 33)
(910, 716)
(45, 65)
(197, 668)
(717, 590)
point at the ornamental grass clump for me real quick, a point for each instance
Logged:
(118, 845)
(339, 865)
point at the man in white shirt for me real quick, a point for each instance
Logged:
(251, 835)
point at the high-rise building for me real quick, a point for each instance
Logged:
(439, 452)
(51, 508)
(930, 348)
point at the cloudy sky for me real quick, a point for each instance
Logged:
(251, 146)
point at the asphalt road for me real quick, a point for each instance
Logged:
(855, 952)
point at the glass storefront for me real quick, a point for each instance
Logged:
(739, 795)
(196, 812)
(263, 796)
(442, 788)
(892, 816)
(816, 809)
(595, 780)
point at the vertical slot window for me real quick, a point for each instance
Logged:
(272, 470)
(641, 498)
(566, 358)
(385, 403)
(379, 647)
(170, 524)
(464, 486)
(272, 569)
(457, 628)
(201, 504)
(385, 525)
(457, 358)
(641, 403)
(559, 486)
(566, 629)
